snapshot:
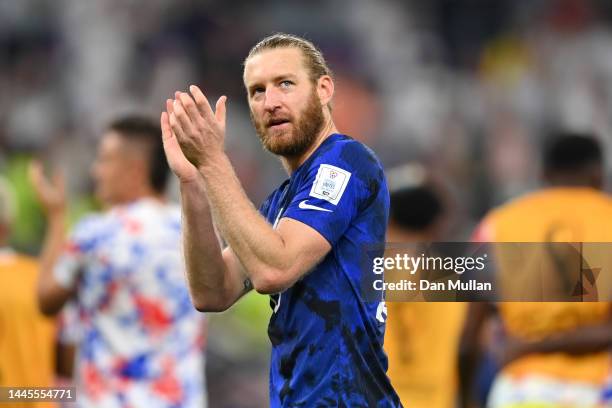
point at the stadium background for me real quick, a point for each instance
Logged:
(469, 88)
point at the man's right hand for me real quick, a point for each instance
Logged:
(51, 193)
(184, 170)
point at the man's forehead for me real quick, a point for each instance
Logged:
(274, 62)
(110, 139)
(113, 141)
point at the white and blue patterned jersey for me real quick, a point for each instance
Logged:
(141, 340)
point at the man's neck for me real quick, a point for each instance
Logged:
(292, 163)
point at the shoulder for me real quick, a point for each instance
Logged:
(150, 216)
(25, 262)
(593, 197)
(353, 159)
(90, 225)
(93, 229)
(348, 152)
(514, 210)
(542, 201)
(521, 205)
(151, 209)
(528, 215)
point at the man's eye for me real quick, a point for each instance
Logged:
(258, 91)
(286, 84)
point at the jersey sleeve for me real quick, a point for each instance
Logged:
(73, 255)
(68, 327)
(328, 199)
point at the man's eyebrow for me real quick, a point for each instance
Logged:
(284, 76)
(275, 79)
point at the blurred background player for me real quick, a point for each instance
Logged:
(422, 338)
(141, 340)
(555, 354)
(27, 338)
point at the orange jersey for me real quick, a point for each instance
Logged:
(553, 215)
(27, 338)
(421, 341)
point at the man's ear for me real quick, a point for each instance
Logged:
(144, 170)
(325, 89)
(136, 167)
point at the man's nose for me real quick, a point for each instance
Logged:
(272, 99)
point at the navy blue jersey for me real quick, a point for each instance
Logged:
(327, 341)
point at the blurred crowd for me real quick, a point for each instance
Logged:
(468, 88)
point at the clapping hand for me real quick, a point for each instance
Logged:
(192, 132)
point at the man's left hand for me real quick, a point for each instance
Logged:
(199, 131)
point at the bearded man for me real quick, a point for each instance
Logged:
(305, 244)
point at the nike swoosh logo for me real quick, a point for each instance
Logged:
(304, 206)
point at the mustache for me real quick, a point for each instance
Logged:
(276, 120)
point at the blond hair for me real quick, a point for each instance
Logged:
(314, 60)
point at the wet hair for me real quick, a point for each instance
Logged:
(313, 57)
(143, 130)
(569, 151)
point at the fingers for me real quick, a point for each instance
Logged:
(201, 102)
(171, 146)
(37, 177)
(34, 170)
(188, 104)
(51, 195)
(59, 182)
(164, 122)
(35, 174)
(196, 110)
(190, 117)
(169, 107)
(220, 110)
(204, 106)
(182, 117)
(173, 123)
(173, 120)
